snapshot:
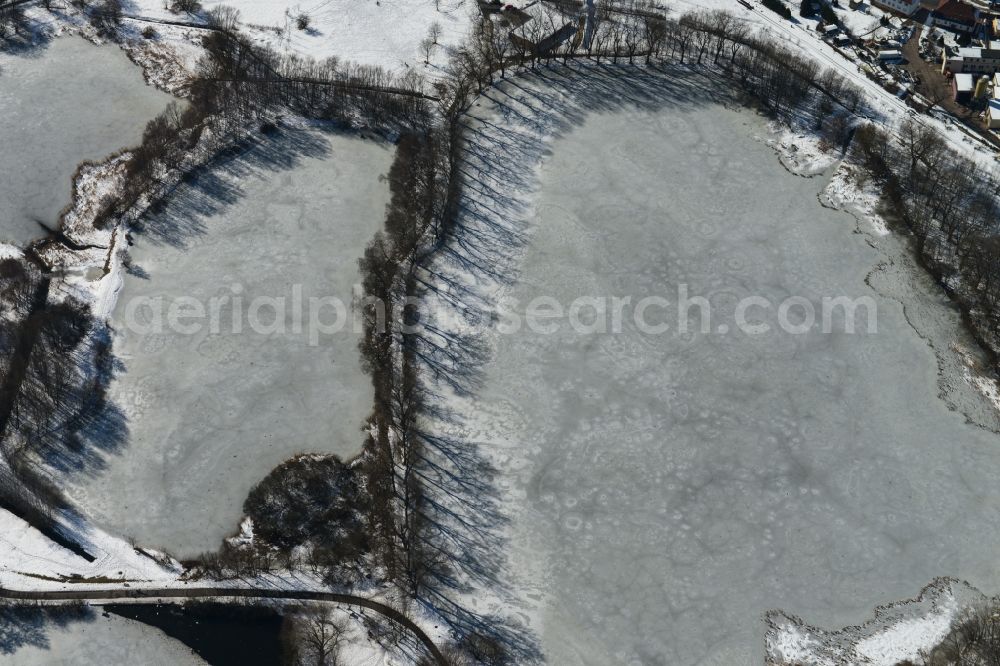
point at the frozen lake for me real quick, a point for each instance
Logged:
(666, 490)
(62, 104)
(210, 412)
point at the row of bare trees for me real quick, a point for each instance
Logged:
(244, 82)
(47, 367)
(780, 78)
(418, 182)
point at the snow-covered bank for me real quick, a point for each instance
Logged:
(901, 631)
(88, 638)
(31, 561)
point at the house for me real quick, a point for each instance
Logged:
(549, 42)
(904, 7)
(993, 114)
(956, 16)
(829, 31)
(962, 87)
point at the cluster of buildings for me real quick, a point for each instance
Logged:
(954, 15)
(974, 69)
(973, 59)
(966, 20)
(968, 88)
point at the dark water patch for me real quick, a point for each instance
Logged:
(221, 634)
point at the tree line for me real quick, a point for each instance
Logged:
(949, 203)
(46, 368)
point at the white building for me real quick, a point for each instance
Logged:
(993, 114)
(974, 60)
(904, 7)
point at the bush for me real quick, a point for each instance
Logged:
(826, 11)
(224, 17)
(107, 17)
(974, 639)
(778, 7)
(306, 500)
(189, 6)
(149, 32)
(302, 21)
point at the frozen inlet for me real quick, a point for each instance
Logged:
(62, 104)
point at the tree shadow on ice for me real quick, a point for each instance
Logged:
(466, 528)
(22, 626)
(459, 283)
(215, 187)
(84, 425)
(31, 41)
(481, 253)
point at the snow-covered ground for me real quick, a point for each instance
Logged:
(370, 32)
(32, 561)
(205, 415)
(67, 102)
(668, 490)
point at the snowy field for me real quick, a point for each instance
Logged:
(35, 639)
(371, 32)
(201, 417)
(62, 104)
(668, 489)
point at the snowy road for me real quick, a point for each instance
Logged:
(99, 597)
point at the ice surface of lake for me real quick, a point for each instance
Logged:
(93, 641)
(667, 490)
(209, 414)
(62, 104)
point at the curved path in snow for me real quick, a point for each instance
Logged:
(126, 593)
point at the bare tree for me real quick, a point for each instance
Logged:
(500, 47)
(107, 17)
(186, 6)
(632, 37)
(654, 34)
(224, 17)
(427, 47)
(313, 637)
